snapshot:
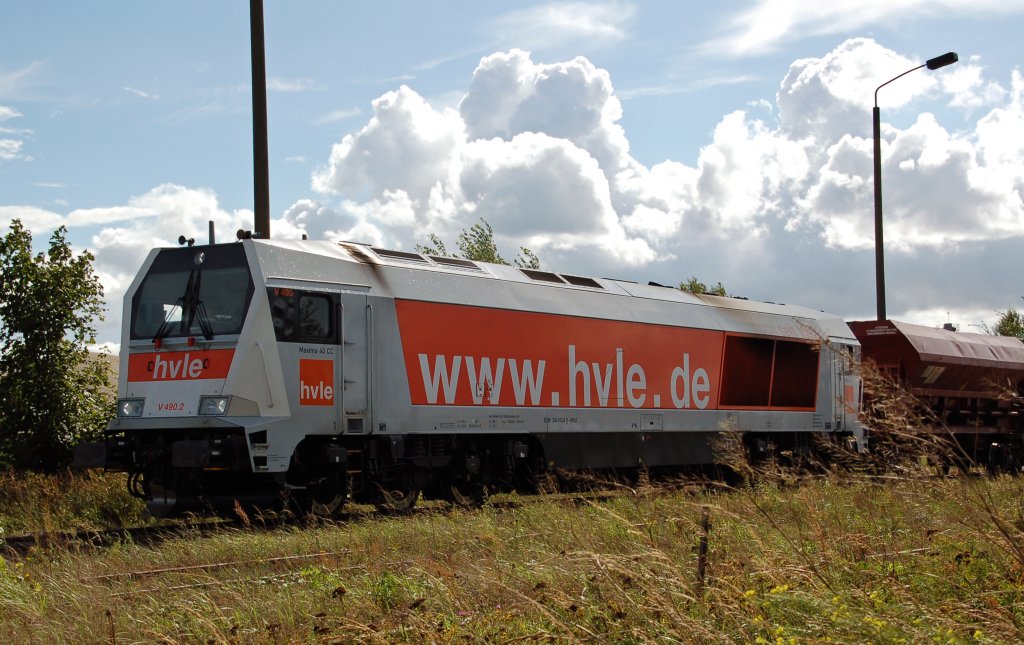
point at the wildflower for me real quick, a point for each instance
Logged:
(780, 589)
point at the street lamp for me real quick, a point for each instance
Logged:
(934, 63)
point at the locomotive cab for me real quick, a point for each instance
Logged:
(186, 411)
(186, 312)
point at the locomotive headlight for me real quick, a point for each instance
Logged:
(213, 405)
(130, 407)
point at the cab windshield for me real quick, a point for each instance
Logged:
(196, 291)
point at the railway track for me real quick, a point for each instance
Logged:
(20, 545)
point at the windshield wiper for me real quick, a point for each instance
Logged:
(193, 307)
(192, 310)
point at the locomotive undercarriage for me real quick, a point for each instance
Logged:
(190, 471)
(187, 471)
(392, 472)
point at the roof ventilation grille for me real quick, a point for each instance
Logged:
(580, 281)
(542, 276)
(400, 256)
(458, 263)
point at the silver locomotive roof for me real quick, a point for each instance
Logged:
(408, 275)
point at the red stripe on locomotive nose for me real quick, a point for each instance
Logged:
(179, 366)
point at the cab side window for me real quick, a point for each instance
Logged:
(315, 318)
(303, 317)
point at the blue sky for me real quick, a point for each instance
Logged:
(648, 141)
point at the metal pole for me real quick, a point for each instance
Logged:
(702, 548)
(933, 63)
(879, 247)
(260, 154)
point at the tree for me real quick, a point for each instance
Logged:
(478, 244)
(53, 393)
(693, 285)
(1010, 323)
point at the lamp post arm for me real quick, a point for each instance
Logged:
(894, 78)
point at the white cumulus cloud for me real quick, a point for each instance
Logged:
(780, 206)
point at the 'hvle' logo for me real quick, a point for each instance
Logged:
(184, 367)
(316, 382)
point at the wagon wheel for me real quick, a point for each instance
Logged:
(397, 500)
(941, 464)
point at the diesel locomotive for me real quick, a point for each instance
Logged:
(266, 372)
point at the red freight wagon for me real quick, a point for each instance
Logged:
(971, 382)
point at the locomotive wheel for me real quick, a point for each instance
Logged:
(327, 498)
(327, 508)
(323, 498)
(317, 479)
(468, 494)
(397, 500)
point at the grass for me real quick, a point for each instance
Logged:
(885, 561)
(862, 555)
